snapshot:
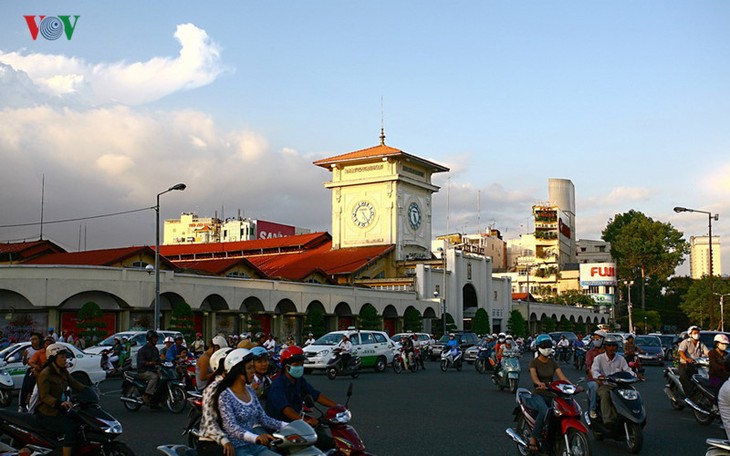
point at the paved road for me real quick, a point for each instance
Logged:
(431, 412)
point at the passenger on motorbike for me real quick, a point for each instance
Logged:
(418, 350)
(30, 377)
(591, 385)
(240, 411)
(543, 370)
(406, 346)
(261, 380)
(203, 368)
(689, 351)
(287, 393)
(173, 352)
(719, 370)
(148, 357)
(52, 383)
(212, 441)
(603, 365)
(168, 342)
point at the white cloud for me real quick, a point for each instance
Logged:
(197, 64)
(718, 181)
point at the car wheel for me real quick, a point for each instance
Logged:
(380, 364)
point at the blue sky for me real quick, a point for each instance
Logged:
(630, 100)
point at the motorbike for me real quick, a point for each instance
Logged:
(451, 358)
(508, 373)
(673, 387)
(718, 447)
(400, 364)
(98, 430)
(483, 361)
(630, 413)
(336, 366)
(347, 441)
(169, 389)
(703, 400)
(563, 433)
(296, 438)
(195, 415)
(579, 358)
(6, 388)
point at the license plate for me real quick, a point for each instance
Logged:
(308, 361)
(513, 375)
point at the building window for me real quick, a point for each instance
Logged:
(602, 248)
(582, 249)
(495, 295)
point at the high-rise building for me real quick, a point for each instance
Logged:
(699, 256)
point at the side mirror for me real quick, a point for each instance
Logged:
(12, 359)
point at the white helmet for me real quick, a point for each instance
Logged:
(600, 332)
(236, 356)
(722, 338)
(215, 358)
(502, 335)
(169, 339)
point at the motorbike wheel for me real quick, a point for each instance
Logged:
(676, 405)
(513, 384)
(634, 438)
(578, 444)
(523, 430)
(355, 373)
(5, 398)
(176, 399)
(413, 366)
(331, 373)
(397, 367)
(702, 418)
(118, 449)
(444, 365)
(480, 365)
(131, 392)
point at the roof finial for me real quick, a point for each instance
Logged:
(382, 129)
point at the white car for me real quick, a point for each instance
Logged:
(374, 348)
(136, 338)
(83, 367)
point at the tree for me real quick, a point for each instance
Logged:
(573, 298)
(672, 315)
(369, 318)
(699, 302)
(91, 323)
(182, 320)
(412, 320)
(548, 324)
(516, 325)
(565, 325)
(314, 322)
(642, 244)
(480, 323)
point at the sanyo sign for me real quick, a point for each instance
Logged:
(597, 274)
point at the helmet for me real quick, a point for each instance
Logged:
(544, 339)
(220, 341)
(50, 329)
(152, 335)
(179, 337)
(502, 335)
(55, 349)
(509, 336)
(692, 328)
(600, 332)
(198, 334)
(215, 358)
(235, 357)
(722, 338)
(259, 352)
(629, 336)
(292, 354)
(169, 339)
(610, 341)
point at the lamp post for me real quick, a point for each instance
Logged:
(722, 309)
(157, 253)
(443, 285)
(628, 283)
(710, 216)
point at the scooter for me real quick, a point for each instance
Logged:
(673, 387)
(169, 388)
(579, 358)
(335, 366)
(508, 374)
(703, 400)
(630, 413)
(97, 429)
(451, 358)
(347, 441)
(482, 363)
(563, 433)
(192, 429)
(400, 364)
(718, 447)
(296, 439)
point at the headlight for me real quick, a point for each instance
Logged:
(343, 417)
(111, 427)
(629, 394)
(323, 353)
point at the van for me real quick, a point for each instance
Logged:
(374, 348)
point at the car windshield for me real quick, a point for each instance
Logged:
(329, 339)
(7, 350)
(648, 341)
(445, 339)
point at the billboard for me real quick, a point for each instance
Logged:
(597, 274)
(266, 230)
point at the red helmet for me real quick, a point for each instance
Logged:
(292, 354)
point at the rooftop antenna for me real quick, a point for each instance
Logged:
(382, 123)
(448, 202)
(479, 210)
(43, 198)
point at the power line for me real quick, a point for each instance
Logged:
(132, 211)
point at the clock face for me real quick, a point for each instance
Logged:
(363, 214)
(414, 216)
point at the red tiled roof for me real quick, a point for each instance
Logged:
(104, 257)
(379, 151)
(244, 248)
(521, 296)
(23, 250)
(217, 266)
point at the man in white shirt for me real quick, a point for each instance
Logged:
(603, 365)
(309, 340)
(270, 344)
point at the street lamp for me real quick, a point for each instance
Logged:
(157, 253)
(722, 309)
(628, 283)
(710, 216)
(443, 300)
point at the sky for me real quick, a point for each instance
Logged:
(630, 100)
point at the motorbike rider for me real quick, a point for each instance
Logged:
(261, 380)
(543, 370)
(563, 345)
(287, 393)
(29, 378)
(689, 351)
(148, 357)
(240, 410)
(418, 350)
(605, 364)
(719, 370)
(310, 340)
(203, 368)
(169, 342)
(453, 345)
(198, 345)
(212, 441)
(52, 383)
(591, 384)
(345, 347)
(406, 346)
(173, 352)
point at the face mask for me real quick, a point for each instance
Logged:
(296, 371)
(695, 336)
(545, 351)
(598, 343)
(501, 340)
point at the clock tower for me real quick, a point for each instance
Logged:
(382, 196)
